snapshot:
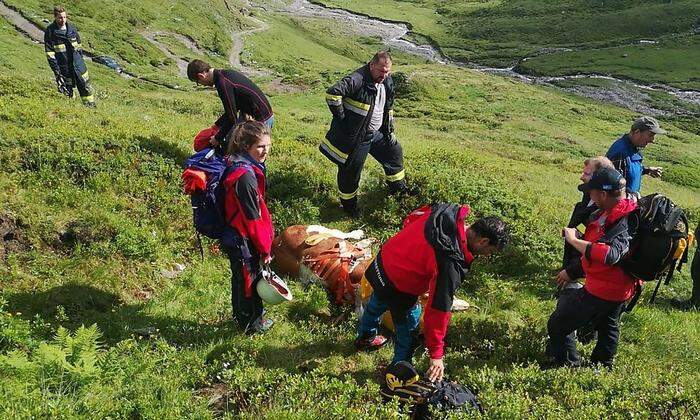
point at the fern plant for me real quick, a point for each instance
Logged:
(70, 361)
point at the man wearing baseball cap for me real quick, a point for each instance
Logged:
(602, 299)
(626, 154)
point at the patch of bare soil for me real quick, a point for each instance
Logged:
(12, 240)
(222, 399)
(276, 85)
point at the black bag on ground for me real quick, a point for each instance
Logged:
(402, 381)
(659, 240)
(451, 396)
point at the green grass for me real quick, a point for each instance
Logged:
(673, 62)
(321, 59)
(499, 33)
(96, 198)
(114, 28)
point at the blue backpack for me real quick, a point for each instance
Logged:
(208, 205)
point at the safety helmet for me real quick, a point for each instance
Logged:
(272, 289)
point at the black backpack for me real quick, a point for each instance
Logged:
(423, 398)
(448, 396)
(659, 241)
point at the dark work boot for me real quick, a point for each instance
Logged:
(350, 207)
(400, 188)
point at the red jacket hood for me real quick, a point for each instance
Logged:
(622, 209)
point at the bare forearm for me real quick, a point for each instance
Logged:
(579, 244)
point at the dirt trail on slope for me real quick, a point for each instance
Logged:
(234, 56)
(237, 39)
(151, 36)
(21, 23)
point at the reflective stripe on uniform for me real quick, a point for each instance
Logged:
(396, 177)
(76, 45)
(334, 99)
(349, 196)
(391, 113)
(356, 106)
(85, 76)
(89, 98)
(332, 150)
(60, 47)
(51, 54)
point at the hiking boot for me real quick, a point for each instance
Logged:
(371, 343)
(260, 325)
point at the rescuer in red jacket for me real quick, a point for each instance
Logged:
(432, 253)
(602, 299)
(248, 240)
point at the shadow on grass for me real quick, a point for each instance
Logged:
(301, 357)
(304, 358)
(496, 344)
(164, 148)
(306, 200)
(73, 305)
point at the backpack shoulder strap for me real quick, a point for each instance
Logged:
(237, 170)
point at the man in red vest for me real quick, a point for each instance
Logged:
(602, 299)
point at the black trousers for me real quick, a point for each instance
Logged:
(82, 82)
(574, 311)
(387, 152)
(585, 334)
(695, 274)
(246, 310)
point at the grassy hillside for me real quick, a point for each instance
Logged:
(115, 28)
(97, 222)
(499, 33)
(673, 61)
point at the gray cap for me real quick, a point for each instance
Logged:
(648, 123)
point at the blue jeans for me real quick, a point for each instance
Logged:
(405, 325)
(268, 122)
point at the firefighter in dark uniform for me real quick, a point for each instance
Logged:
(363, 122)
(65, 56)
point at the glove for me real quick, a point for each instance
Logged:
(61, 84)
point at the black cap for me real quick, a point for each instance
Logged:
(604, 179)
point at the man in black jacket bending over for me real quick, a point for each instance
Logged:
(241, 97)
(362, 104)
